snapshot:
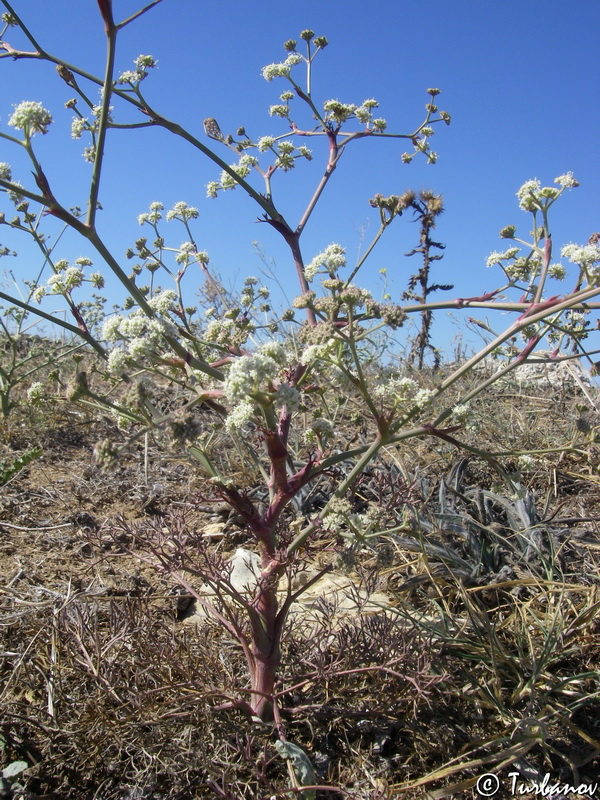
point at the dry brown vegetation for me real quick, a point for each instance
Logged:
(485, 660)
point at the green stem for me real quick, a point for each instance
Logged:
(178, 130)
(22, 25)
(111, 44)
(547, 253)
(358, 468)
(359, 372)
(335, 153)
(508, 333)
(138, 13)
(139, 298)
(367, 253)
(55, 321)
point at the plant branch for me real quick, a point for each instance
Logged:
(23, 27)
(56, 321)
(111, 43)
(138, 13)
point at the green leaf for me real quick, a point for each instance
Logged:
(303, 768)
(14, 769)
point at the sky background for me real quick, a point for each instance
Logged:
(520, 79)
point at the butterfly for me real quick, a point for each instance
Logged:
(211, 128)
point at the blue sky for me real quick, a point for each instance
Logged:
(520, 80)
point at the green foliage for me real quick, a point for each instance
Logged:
(303, 769)
(8, 779)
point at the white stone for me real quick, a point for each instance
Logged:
(245, 570)
(333, 594)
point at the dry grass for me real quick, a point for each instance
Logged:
(486, 659)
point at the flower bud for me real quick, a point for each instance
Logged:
(66, 74)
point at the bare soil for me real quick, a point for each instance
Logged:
(108, 693)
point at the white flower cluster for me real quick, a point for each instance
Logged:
(64, 282)
(265, 143)
(250, 375)
(338, 112)
(532, 195)
(153, 216)
(283, 69)
(289, 397)
(318, 352)
(396, 391)
(182, 211)
(164, 301)
(340, 519)
(187, 254)
(526, 462)
(566, 181)
(577, 323)
(249, 294)
(239, 416)
(281, 110)
(584, 255)
(498, 258)
(353, 296)
(331, 260)
(218, 330)
(527, 195)
(557, 271)
(421, 140)
(287, 152)
(274, 350)
(142, 65)
(337, 515)
(254, 377)
(66, 278)
(36, 394)
(587, 257)
(461, 413)
(141, 336)
(31, 118)
(523, 268)
(78, 126)
(424, 397)
(226, 181)
(81, 125)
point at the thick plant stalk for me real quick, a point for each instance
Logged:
(266, 630)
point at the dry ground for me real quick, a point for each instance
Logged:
(487, 663)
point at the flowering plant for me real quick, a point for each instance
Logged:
(269, 392)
